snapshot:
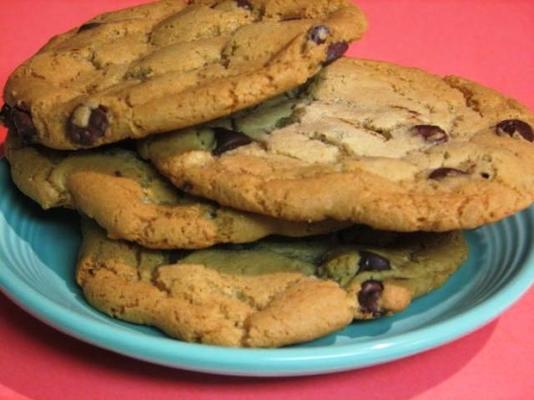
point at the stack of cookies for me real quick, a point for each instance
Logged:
(241, 183)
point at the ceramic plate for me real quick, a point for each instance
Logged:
(38, 253)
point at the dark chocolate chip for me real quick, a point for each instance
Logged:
(21, 122)
(118, 174)
(96, 127)
(228, 140)
(445, 172)
(370, 261)
(512, 126)
(369, 295)
(334, 51)
(177, 255)
(89, 26)
(244, 4)
(318, 34)
(99, 119)
(431, 133)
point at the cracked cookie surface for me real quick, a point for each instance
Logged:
(269, 293)
(171, 64)
(370, 142)
(127, 197)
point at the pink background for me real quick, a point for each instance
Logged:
(489, 41)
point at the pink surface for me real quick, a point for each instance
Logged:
(489, 41)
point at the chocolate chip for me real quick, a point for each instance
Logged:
(334, 51)
(431, 133)
(513, 126)
(20, 121)
(89, 26)
(445, 172)
(369, 295)
(318, 34)
(118, 174)
(244, 4)
(96, 127)
(228, 140)
(370, 261)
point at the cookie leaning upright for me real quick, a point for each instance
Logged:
(171, 64)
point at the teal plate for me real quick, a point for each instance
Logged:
(38, 253)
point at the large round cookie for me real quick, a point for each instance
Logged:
(267, 293)
(127, 197)
(171, 64)
(370, 142)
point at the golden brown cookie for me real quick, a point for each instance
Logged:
(127, 197)
(370, 142)
(269, 293)
(196, 303)
(171, 64)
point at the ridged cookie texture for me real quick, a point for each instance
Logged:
(270, 293)
(371, 142)
(171, 64)
(128, 197)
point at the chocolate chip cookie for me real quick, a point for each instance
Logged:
(171, 64)
(269, 293)
(127, 197)
(371, 142)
